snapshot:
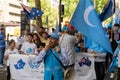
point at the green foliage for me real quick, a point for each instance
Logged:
(70, 6)
(48, 11)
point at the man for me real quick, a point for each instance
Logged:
(68, 41)
(53, 68)
(115, 37)
(2, 47)
(99, 53)
(29, 47)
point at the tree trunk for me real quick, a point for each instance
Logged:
(39, 19)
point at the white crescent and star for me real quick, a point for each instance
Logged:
(86, 15)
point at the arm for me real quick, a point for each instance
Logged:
(36, 51)
(6, 55)
(22, 50)
(63, 57)
(42, 54)
(116, 52)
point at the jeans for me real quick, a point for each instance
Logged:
(100, 70)
(2, 51)
(8, 73)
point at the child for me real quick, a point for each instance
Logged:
(117, 54)
(10, 50)
(42, 45)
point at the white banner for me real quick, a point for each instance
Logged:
(84, 67)
(24, 67)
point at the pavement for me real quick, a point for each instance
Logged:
(3, 72)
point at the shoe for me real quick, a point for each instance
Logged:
(2, 66)
(112, 75)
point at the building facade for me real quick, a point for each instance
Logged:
(10, 10)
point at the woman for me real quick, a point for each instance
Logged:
(36, 40)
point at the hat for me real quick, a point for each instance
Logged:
(118, 42)
(65, 28)
(54, 35)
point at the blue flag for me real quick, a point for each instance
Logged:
(86, 21)
(108, 10)
(31, 13)
(57, 26)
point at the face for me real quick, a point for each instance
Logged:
(40, 30)
(44, 35)
(25, 32)
(118, 46)
(53, 42)
(12, 45)
(3, 31)
(35, 37)
(116, 28)
(29, 38)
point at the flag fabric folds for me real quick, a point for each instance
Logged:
(31, 13)
(108, 10)
(57, 26)
(86, 21)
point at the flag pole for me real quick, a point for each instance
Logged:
(94, 3)
(60, 15)
(112, 20)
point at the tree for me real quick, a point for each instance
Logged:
(39, 19)
(52, 13)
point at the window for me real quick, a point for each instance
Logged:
(14, 14)
(15, 6)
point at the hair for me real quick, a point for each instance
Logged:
(11, 41)
(116, 25)
(2, 29)
(38, 40)
(42, 44)
(30, 35)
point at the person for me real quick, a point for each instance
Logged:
(53, 68)
(44, 38)
(29, 47)
(2, 47)
(42, 45)
(41, 30)
(68, 41)
(115, 37)
(36, 40)
(22, 39)
(100, 54)
(108, 55)
(10, 50)
(117, 54)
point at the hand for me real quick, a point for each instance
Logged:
(58, 49)
(110, 40)
(47, 47)
(115, 55)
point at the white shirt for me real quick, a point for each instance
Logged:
(119, 59)
(29, 48)
(68, 42)
(8, 52)
(100, 57)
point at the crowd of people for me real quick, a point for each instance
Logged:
(58, 51)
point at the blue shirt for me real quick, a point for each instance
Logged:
(52, 66)
(63, 57)
(2, 40)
